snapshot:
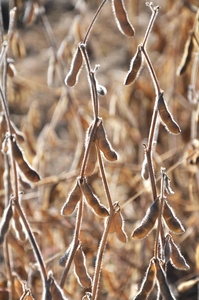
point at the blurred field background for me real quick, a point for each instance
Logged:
(55, 121)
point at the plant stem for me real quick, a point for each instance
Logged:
(151, 22)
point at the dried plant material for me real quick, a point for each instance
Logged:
(5, 222)
(145, 169)
(166, 116)
(11, 68)
(167, 249)
(27, 170)
(18, 46)
(29, 14)
(72, 77)
(88, 296)
(148, 221)
(19, 135)
(80, 268)
(187, 285)
(103, 143)
(177, 259)
(167, 183)
(161, 277)
(46, 292)
(186, 58)
(64, 258)
(119, 226)
(93, 201)
(51, 74)
(91, 161)
(72, 200)
(171, 220)
(121, 18)
(135, 67)
(147, 283)
(19, 230)
(56, 292)
(102, 91)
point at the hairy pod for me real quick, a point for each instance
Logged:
(145, 169)
(121, 18)
(72, 200)
(119, 227)
(171, 220)
(91, 162)
(80, 268)
(4, 226)
(27, 170)
(93, 201)
(177, 259)
(161, 277)
(104, 144)
(148, 221)
(148, 282)
(166, 116)
(186, 58)
(135, 67)
(72, 76)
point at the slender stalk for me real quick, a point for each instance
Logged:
(151, 22)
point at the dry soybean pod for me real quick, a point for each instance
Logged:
(80, 268)
(135, 67)
(148, 221)
(166, 116)
(30, 174)
(171, 220)
(72, 200)
(147, 283)
(93, 201)
(56, 292)
(119, 227)
(91, 162)
(104, 144)
(121, 18)
(72, 76)
(145, 169)
(4, 226)
(161, 277)
(167, 249)
(186, 58)
(178, 260)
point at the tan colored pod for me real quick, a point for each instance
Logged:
(186, 58)
(148, 282)
(121, 18)
(104, 144)
(145, 169)
(72, 76)
(119, 227)
(93, 201)
(135, 67)
(5, 222)
(171, 220)
(161, 277)
(80, 268)
(177, 259)
(166, 116)
(148, 221)
(91, 162)
(27, 170)
(72, 200)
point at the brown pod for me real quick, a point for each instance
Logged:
(121, 18)
(148, 221)
(4, 226)
(148, 282)
(167, 249)
(119, 227)
(56, 292)
(30, 174)
(80, 268)
(186, 58)
(91, 162)
(145, 169)
(72, 76)
(72, 200)
(135, 67)
(104, 144)
(171, 220)
(161, 277)
(177, 259)
(166, 116)
(93, 201)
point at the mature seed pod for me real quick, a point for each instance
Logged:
(187, 285)
(135, 67)
(93, 201)
(80, 268)
(72, 76)
(30, 174)
(56, 292)
(161, 277)
(112, 225)
(119, 227)
(4, 226)
(178, 260)
(18, 226)
(166, 116)
(121, 18)
(186, 58)
(171, 220)
(91, 162)
(51, 74)
(104, 144)
(72, 200)
(148, 221)
(63, 259)
(148, 282)
(145, 169)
